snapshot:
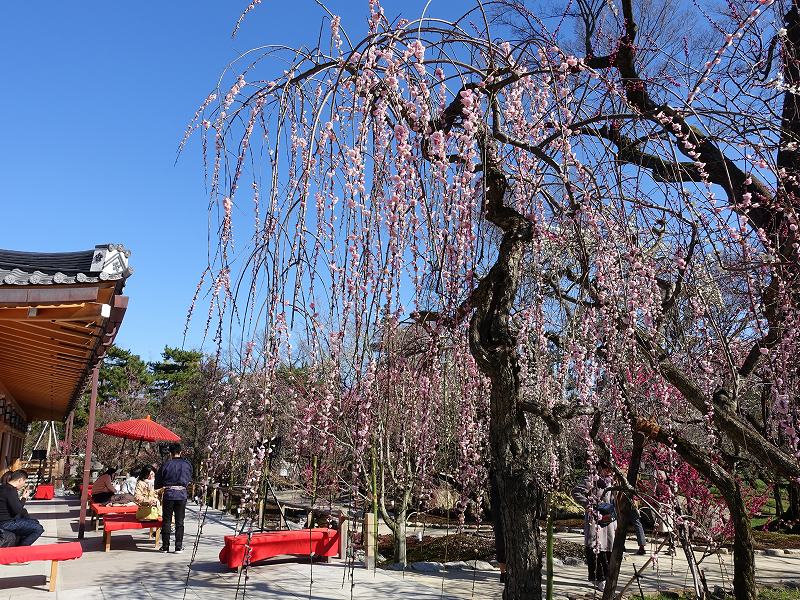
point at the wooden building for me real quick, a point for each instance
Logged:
(59, 312)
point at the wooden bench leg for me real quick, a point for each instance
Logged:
(156, 534)
(53, 575)
(107, 540)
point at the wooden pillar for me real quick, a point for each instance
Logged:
(51, 432)
(16, 453)
(344, 534)
(370, 540)
(4, 450)
(87, 460)
(68, 446)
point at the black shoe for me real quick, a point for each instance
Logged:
(178, 550)
(163, 550)
(641, 551)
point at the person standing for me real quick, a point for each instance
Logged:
(173, 477)
(636, 521)
(13, 516)
(599, 524)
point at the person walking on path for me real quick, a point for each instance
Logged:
(13, 516)
(599, 524)
(173, 477)
(636, 521)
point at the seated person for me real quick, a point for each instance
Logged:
(129, 485)
(13, 516)
(103, 487)
(145, 496)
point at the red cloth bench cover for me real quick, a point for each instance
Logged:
(321, 541)
(51, 552)
(65, 551)
(44, 492)
(102, 509)
(119, 522)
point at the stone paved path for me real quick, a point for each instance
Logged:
(134, 570)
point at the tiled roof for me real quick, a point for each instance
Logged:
(107, 262)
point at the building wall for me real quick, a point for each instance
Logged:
(12, 441)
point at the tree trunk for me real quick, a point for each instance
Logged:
(744, 572)
(776, 492)
(522, 504)
(400, 554)
(493, 344)
(624, 517)
(793, 512)
(685, 539)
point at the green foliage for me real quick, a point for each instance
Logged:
(174, 391)
(177, 369)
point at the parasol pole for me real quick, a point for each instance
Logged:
(139, 449)
(122, 450)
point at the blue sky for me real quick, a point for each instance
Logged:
(95, 99)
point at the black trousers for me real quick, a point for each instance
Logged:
(101, 497)
(176, 508)
(597, 563)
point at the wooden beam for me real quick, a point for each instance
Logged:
(21, 340)
(10, 348)
(40, 295)
(68, 312)
(37, 364)
(59, 330)
(50, 381)
(53, 378)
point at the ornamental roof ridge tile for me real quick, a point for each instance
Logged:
(106, 262)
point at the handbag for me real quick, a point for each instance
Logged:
(148, 513)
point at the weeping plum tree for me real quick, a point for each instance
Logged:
(573, 200)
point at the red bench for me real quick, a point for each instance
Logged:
(51, 552)
(121, 522)
(322, 542)
(101, 510)
(44, 492)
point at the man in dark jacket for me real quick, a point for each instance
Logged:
(173, 476)
(13, 516)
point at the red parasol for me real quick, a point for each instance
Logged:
(144, 430)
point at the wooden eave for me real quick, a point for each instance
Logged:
(50, 340)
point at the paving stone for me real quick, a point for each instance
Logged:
(480, 565)
(286, 578)
(424, 566)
